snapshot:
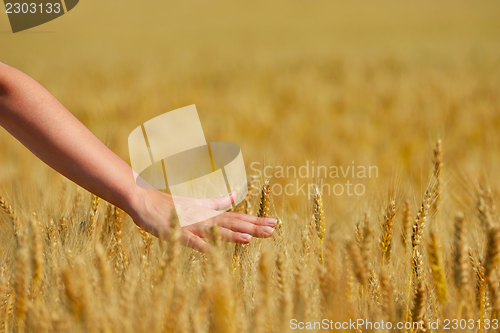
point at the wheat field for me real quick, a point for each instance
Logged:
(411, 89)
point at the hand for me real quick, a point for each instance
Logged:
(155, 209)
(35, 117)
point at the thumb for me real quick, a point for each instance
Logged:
(219, 203)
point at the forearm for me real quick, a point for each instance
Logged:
(32, 115)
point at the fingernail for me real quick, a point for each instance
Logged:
(246, 237)
(271, 222)
(268, 230)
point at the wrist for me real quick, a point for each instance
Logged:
(134, 201)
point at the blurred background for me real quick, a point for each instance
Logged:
(337, 83)
(375, 82)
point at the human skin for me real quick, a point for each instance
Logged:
(36, 118)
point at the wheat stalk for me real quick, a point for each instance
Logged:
(93, 216)
(460, 260)
(262, 308)
(418, 313)
(358, 266)
(406, 225)
(480, 285)
(103, 269)
(38, 259)
(123, 261)
(416, 236)
(366, 241)
(437, 268)
(264, 200)
(387, 226)
(21, 285)
(387, 302)
(492, 250)
(319, 220)
(12, 214)
(438, 169)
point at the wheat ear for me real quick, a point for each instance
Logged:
(460, 261)
(319, 220)
(406, 225)
(93, 215)
(265, 200)
(386, 294)
(12, 214)
(387, 226)
(438, 168)
(437, 267)
(21, 284)
(358, 266)
(417, 232)
(38, 259)
(418, 313)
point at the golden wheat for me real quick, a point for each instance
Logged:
(81, 265)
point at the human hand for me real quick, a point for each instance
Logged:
(35, 117)
(154, 211)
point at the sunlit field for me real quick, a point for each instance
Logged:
(410, 90)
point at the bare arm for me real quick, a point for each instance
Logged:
(35, 117)
(42, 124)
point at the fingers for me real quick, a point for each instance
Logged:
(236, 228)
(226, 234)
(193, 241)
(219, 203)
(261, 228)
(252, 219)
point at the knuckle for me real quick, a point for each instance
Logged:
(191, 239)
(256, 230)
(240, 216)
(261, 220)
(205, 248)
(213, 203)
(233, 223)
(231, 235)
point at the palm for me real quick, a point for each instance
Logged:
(234, 227)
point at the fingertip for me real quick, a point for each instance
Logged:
(205, 248)
(246, 237)
(227, 201)
(271, 222)
(269, 231)
(232, 196)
